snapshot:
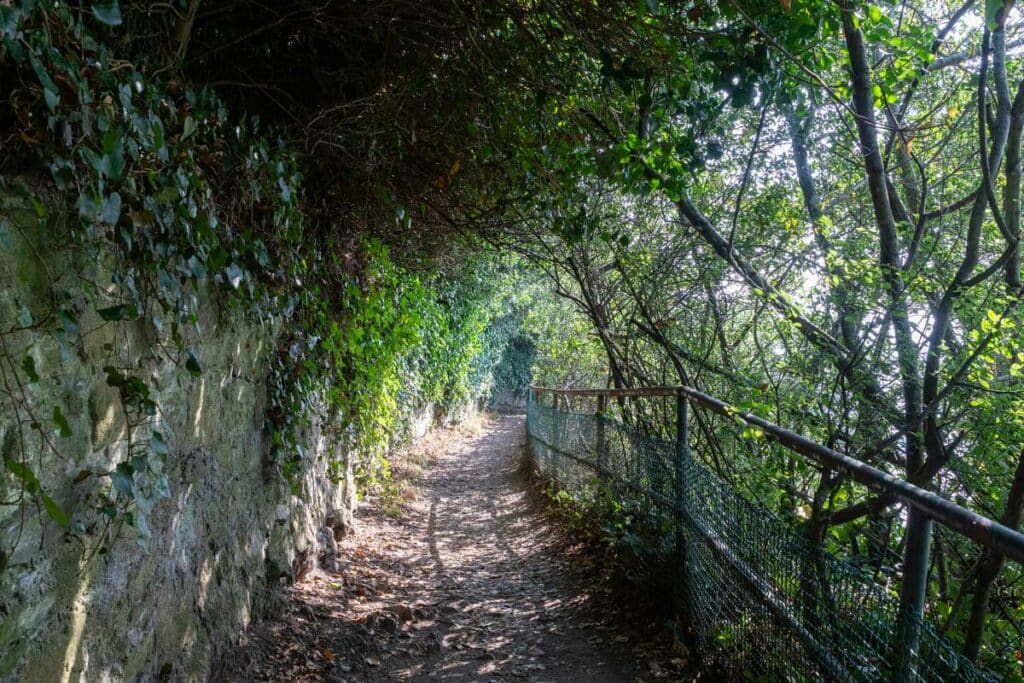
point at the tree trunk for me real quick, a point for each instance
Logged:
(991, 564)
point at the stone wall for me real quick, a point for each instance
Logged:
(167, 607)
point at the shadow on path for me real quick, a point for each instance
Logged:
(470, 583)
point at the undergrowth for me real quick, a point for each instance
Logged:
(166, 197)
(626, 539)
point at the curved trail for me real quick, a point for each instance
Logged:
(471, 582)
(500, 574)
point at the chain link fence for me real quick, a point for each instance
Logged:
(761, 600)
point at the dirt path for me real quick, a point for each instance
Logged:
(470, 582)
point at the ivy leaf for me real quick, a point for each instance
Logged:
(111, 210)
(162, 486)
(123, 479)
(190, 128)
(21, 471)
(140, 524)
(158, 445)
(67, 322)
(156, 128)
(113, 313)
(28, 364)
(14, 48)
(55, 511)
(192, 364)
(111, 164)
(114, 378)
(62, 423)
(63, 173)
(108, 13)
(50, 92)
(235, 275)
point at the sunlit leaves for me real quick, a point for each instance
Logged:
(63, 429)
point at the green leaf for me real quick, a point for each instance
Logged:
(67, 321)
(52, 98)
(140, 524)
(111, 210)
(63, 173)
(62, 424)
(156, 127)
(192, 364)
(162, 486)
(112, 313)
(158, 445)
(111, 164)
(190, 128)
(55, 511)
(21, 471)
(235, 275)
(108, 13)
(114, 378)
(28, 364)
(14, 48)
(875, 13)
(50, 91)
(123, 479)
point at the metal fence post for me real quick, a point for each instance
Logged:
(682, 457)
(556, 455)
(529, 413)
(601, 445)
(912, 595)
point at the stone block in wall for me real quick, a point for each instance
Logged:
(166, 607)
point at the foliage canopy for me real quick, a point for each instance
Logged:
(811, 209)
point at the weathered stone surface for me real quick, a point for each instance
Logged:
(165, 609)
(339, 521)
(106, 418)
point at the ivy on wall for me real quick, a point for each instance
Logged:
(170, 197)
(138, 176)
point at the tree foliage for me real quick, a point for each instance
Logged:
(810, 209)
(168, 194)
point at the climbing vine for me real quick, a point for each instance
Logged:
(160, 196)
(133, 167)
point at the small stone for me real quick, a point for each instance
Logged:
(403, 612)
(388, 623)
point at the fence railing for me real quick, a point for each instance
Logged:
(759, 595)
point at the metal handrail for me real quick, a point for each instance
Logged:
(980, 529)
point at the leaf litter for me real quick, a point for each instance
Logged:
(471, 581)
